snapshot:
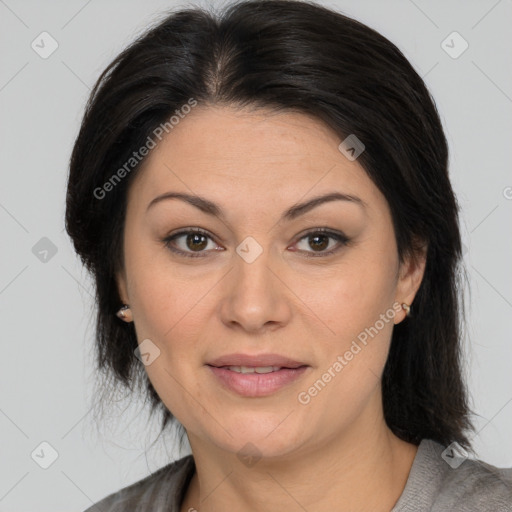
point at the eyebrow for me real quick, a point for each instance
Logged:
(211, 208)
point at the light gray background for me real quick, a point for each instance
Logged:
(46, 373)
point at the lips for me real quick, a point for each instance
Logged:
(253, 369)
(256, 376)
(257, 361)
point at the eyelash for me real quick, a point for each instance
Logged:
(339, 237)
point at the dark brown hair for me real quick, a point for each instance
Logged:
(287, 55)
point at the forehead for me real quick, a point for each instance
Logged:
(261, 156)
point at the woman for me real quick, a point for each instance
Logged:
(264, 202)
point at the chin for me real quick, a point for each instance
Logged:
(259, 434)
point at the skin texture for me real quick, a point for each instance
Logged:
(335, 452)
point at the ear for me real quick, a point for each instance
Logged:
(122, 286)
(410, 275)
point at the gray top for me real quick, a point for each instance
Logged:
(433, 485)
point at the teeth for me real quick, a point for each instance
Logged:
(254, 369)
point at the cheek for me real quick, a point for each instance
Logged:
(352, 296)
(159, 295)
(171, 314)
(356, 307)
(351, 363)
(169, 311)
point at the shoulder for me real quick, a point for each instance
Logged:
(466, 485)
(159, 491)
(476, 485)
(442, 479)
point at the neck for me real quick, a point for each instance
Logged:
(366, 468)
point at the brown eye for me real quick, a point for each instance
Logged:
(319, 241)
(196, 241)
(188, 242)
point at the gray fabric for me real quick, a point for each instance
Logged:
(433, 486)
(162, 491)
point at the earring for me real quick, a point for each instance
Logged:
(407, 309)
(124, 313)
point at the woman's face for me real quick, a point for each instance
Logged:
(261, 283)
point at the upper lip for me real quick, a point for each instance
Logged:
(255, 361)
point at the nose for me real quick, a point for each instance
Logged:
(256, 297)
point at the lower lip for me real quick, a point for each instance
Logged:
(257, 384)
